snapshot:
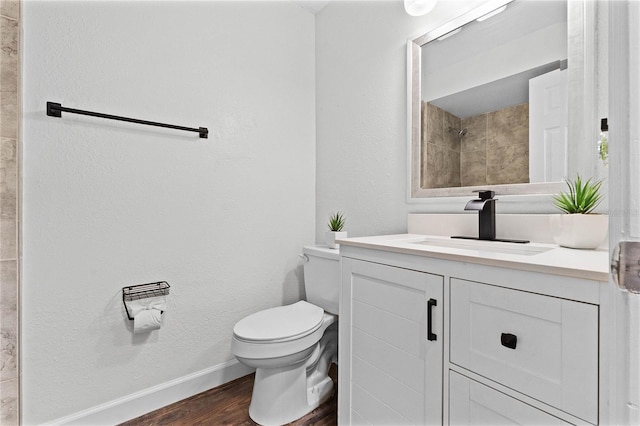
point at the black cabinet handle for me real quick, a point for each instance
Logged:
(509, 340)
(430, 334)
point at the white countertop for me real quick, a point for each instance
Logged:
(536, 257)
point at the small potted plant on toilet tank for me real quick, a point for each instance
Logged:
(335, 232)
(579, 227)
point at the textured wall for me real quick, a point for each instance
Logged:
(361, 51)
(9, 246)
(111, 204)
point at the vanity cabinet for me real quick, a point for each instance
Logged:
(429, 337)
(391, 345)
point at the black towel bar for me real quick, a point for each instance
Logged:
(55, 110)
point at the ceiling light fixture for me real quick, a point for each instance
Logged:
(490, 14)
(419, 7)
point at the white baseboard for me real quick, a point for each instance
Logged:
(139, 403)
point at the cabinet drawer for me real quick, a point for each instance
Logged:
(471, 403)
(544, 347)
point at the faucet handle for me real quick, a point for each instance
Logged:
(485, 194)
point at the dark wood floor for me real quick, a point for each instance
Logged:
(228, 404)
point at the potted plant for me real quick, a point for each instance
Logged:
(335, 232)
(579, 227)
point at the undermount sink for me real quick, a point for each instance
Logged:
(485, 246)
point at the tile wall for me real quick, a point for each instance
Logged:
(498, 139)
(9, 243)
(494, 149)
(441, 153)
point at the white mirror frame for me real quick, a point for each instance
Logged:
(583, 120)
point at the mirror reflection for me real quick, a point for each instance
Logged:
(493, 99)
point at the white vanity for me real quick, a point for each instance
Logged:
(442, 331)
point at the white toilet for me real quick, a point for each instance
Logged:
(293, 346)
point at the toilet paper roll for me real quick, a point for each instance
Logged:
(138, 305)
(147, 320)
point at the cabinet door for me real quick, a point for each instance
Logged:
(471, 403)
(390, 372)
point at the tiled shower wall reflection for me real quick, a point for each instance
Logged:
(441, 152)
(494, 150)
(9, 248)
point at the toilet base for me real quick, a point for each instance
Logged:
(280, 397)
(284, 394)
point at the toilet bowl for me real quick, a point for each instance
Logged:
(292, 347)
(291, 368)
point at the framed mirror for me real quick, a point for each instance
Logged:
(499, 100)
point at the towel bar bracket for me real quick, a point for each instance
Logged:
(54, 109)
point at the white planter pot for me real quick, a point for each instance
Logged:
(581, 231)
(332, 236)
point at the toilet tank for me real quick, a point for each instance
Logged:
(322, 277)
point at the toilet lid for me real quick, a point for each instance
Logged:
(280, 323)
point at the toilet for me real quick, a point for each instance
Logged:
(291, 347)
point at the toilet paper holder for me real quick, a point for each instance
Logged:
(143, 291)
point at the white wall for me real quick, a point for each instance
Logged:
(110, 204)
(362, 112)
(502, 60)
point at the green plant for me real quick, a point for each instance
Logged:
(603, 149)
(582, 197)
(336, 222)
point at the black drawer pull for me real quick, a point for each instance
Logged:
(430, 334)
(509, 340)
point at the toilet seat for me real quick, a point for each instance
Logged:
(296, 333)
(280, 324)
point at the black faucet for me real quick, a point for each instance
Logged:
(486, 207)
